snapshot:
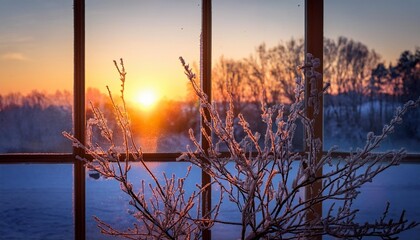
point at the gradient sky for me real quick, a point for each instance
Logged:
(36, 37)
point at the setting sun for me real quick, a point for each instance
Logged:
(147, 98)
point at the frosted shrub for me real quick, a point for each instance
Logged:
(263, 187)
(269, 197)
(169, 213)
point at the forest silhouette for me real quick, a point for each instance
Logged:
(362, 96)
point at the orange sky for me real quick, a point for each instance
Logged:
(36, 38)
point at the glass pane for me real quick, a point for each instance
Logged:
(397, 185)
(371, 59)
(229, 210)
(36, 201)
(36, 72)
(257, 48)
(150, 36)
(106, 201)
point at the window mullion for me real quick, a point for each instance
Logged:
(79, 118)
(205, 76)
(314, 37)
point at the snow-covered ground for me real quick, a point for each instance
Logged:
(36, 200)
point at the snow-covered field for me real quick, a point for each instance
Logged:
(36, 200)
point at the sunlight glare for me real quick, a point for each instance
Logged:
(147, 98)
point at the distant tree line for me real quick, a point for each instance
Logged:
(33, 123)
(363, 95)
(363, 92)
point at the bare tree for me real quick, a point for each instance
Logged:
(376, 93)
(283, 61)
(348, 68)
(266, 76)
(231, 80)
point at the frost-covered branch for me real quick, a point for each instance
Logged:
(162, 207)
(267, 182)
(264, 187)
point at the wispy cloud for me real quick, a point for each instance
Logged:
(14, 56)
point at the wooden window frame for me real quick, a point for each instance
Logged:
(313, 43)
(79, 115)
